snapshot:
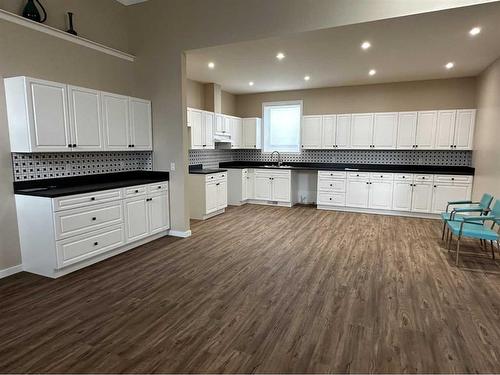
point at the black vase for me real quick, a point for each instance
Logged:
(31, 12)
(71, 30)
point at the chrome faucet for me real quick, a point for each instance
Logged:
(279, 157)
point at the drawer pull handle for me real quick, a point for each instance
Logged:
(137, 191)
(452, 179)
(92, 199)
(159, 187)
(96, 243)
(331, 184)
(94, 219)
(149, 199)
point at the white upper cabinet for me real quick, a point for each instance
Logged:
(343, 131)
(54, 117)
(328, 132)
(38, 115)
(362, 131)
(407, 130)
(85, 119)
(116, 119)
(425, 138)
(208, 125)
(140, 124)
(385, 130)
(445, 130)
(236, 132)
(219, 123)
(202, 129)
(464, 129)
(311, 132)
(251, 133)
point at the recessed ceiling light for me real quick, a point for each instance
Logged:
(211, 65)
(307, 78)
(250, 83)
(366, 45)
(280, 56)
(450, 65)
(372, 72)
(474, 31)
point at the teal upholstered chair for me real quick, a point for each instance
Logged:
(456, 213)
(477, 227)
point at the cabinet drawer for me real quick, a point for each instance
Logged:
(355, 175)
(76, 249)
(331, 199)
(332, 185)
(381, 176)
(216, 177)
(333, 174)
(157, 187)
(134, 191)
(423, 178)
(403, 177)
(440, 178)
(83, 200)
(82, 220)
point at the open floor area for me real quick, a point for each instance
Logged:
(265, 289)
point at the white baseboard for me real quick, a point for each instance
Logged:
(379, 212)
(11, 271)
(178, 233)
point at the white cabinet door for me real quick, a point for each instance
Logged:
(250, 186)
(343, 131)
(211, 197)
(281, 189)
(381, 195)
(219, 123)
(251, 133)
(141, 127)
(221, 195)
(357, 193)
(421, 197)
(464, 129)
(263, 187)
(447, 193)
(328, 136)
(426, 130)
(226, 124)
(236, 132)
(208, 130)
(48, 112)
(85, 119)
(311, 132)
(158, 213)
(407, 128)
(445, 130)
(244, 184)
(136, 218)
(116, 121)
(197, 132)
(401, 198)
(385, 130)
(362, 130)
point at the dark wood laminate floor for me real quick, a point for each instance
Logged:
(264, 289)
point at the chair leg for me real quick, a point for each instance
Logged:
(458, 250)
(492, 250)
(444, 231)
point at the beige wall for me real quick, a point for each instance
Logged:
(487, 136)
(28, 52)
(103, 21)
(228, 104)
(195, 94)
(404, 96)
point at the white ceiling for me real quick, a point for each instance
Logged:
(131, 2)
(403, 49)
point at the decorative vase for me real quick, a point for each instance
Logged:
(31, 12)
(70, 19)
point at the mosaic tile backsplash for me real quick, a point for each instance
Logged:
(55, 165)
(211, 158)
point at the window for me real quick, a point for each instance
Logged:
(282, 126)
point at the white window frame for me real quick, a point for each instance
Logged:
(265, 129)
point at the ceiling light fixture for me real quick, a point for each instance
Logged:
(474, 31)
(366, 45)
(372, 72)
(250, 83)
(450, 65)
(211, 65)
(280, 56)
(307, 78)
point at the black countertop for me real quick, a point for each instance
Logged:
(59, 187)
(198, 169)
(388, 168)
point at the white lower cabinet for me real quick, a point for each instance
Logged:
(208, 194)
(421, 199)
(402, 193)
(273, 185)
(381, 191)
(61, 235)
(450, 188)
(240, 186)
(358, 192)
